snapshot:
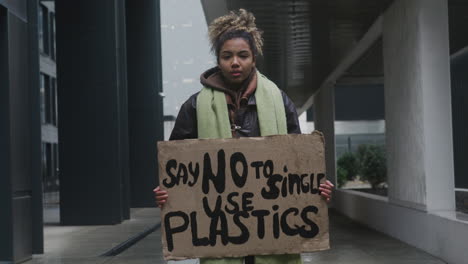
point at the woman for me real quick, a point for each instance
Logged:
(255, 106)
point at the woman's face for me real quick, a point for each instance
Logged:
(236, 60)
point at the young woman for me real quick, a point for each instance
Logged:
(237, 101)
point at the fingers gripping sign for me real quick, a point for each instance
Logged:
(160, 196)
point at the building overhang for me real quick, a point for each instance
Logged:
(312, 44)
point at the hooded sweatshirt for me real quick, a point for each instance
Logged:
(242, 108)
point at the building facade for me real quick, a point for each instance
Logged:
(81, 98)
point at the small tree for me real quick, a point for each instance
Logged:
(372, 164)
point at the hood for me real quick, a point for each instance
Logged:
(213, 78)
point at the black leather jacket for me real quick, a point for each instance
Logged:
(246, 119)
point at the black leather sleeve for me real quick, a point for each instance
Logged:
(185, 126)
(292, 119)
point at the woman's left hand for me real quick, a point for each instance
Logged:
(326, 190)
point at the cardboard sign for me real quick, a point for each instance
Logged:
(239, 197)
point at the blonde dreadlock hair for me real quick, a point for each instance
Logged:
(239, 24)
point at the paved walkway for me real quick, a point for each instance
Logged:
(351, 244)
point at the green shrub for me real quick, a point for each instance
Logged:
(372, 164)
(350, 164)
(341, 176)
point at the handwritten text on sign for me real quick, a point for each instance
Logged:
(243, 196)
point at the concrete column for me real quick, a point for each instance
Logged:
(20, 179)
(324, 121)
(35, 123)
(418, 105)
(93, 136)
(145, 110)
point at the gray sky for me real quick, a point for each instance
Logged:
(185, 51)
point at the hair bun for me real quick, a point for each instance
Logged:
(235, 21)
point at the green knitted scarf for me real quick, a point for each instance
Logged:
(213, 118)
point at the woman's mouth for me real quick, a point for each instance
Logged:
(236, 74)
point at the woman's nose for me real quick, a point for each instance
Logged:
(235, 62)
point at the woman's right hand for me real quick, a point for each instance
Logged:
(161, 196)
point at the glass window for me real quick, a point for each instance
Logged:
(42, 96)
(52, 36)
(54, 102)
(48, 99)
(53, 105)
(49, 169)
(55, 180)
(41, 30)
(45, 29)
(56, 158)
(44, 162)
